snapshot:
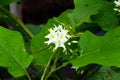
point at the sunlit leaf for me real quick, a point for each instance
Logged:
(104, 50)
(81, 13)
(13, 55)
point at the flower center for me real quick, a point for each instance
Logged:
(59, 42)
(52, 36)
(61, 36)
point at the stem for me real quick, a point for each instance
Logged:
(44, 76)
(55, 61)
(53, 68)
(17, 20)
(58, 68)
(28, 76)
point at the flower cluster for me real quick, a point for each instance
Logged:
(58, 35)
(117, 6)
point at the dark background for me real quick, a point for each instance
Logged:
(39, 11)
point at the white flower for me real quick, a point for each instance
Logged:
(117, 6)
(58, 36)
(59, 43)
(51, 36)
(117, 3)
(59, 28)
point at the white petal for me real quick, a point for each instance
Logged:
(48, 42)
(47, 36)
(117, 3)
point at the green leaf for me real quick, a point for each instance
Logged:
(34, 28)
(13, 55)
(82, 12)
(107, 17)
(42, 57)
(7, 2)
(104, 50)
(84, 9)
(41, 51)
(66, 18)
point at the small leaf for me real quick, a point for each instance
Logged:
(13, 55)
(104, 50)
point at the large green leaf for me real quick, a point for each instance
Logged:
(107, 17)
(41, 51)
(13, 55)
(82, 12)
(104, 50)
(84, 9)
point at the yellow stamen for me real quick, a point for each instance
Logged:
(52, 36)
(61, 36)
(59, 42)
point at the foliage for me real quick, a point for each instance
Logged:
(13, 54)
(92, 57)
(101, 47)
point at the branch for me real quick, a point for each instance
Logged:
(17, 20)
